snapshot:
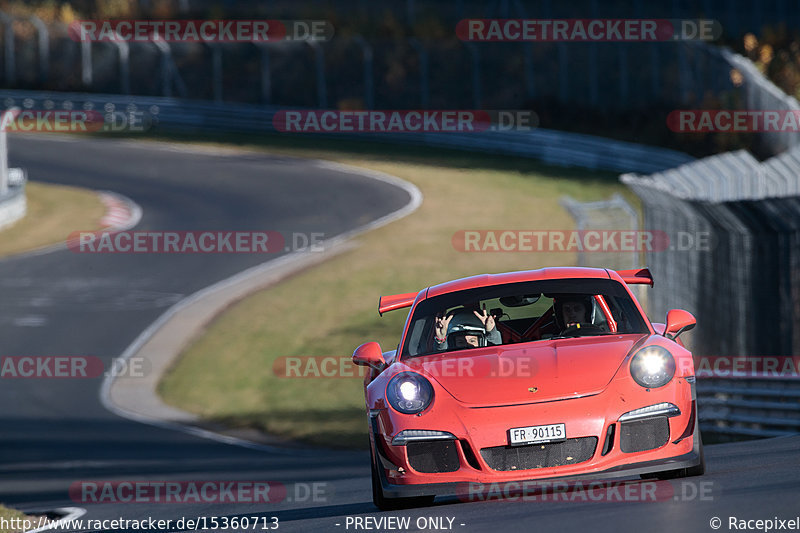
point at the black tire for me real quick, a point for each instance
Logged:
(690, 471)
(393, 504)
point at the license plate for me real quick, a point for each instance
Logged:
(537, 434)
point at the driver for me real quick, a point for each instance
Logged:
(465, 329)
(572, 310)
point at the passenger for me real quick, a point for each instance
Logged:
(465, 329)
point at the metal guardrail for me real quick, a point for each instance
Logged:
(749, 407)
(552, 147)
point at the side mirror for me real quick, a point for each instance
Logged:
(369, 354)
(678, 321)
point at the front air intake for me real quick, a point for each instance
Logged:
(432, 457)
(643, 435)
(568, 452)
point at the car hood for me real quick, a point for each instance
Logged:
(529, 373)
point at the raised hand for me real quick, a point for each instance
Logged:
(486, 319)
(440, 325)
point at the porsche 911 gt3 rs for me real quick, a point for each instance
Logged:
(541, 374)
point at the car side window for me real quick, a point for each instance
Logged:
(417, 338)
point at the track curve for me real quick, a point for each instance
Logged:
(54, 432)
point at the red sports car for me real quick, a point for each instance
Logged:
(540, 374)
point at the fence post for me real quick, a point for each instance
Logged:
(124, 68)
(266, 75)
(655, 80)
(168, 71)
(528, 65)
(166, 86)
(594, 82)
(3, 158)
(424, 96)
(476, 74)
(410, 10)
(563, 81)
(43, 36)
(366, 54)
(8, 46)
(322, 94)
(623, 75)
(216, 70)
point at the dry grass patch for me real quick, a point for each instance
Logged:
(54, 211)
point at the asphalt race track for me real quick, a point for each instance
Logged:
(54, 432)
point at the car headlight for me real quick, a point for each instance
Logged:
(409, 393)
(652, 367)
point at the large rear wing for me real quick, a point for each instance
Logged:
(392, 302)
(640, 276)
(395, 301)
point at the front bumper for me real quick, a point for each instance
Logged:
(688, 460)
(584, 417)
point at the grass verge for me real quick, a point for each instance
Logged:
(54, 211)
(12, 516)
(226, 374)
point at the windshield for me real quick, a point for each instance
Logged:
(521, 312)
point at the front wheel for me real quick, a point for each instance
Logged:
(690, 471)
(393, 504)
